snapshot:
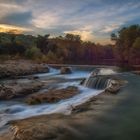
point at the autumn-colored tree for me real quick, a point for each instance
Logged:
(125, 39)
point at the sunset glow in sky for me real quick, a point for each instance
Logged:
(94, 20)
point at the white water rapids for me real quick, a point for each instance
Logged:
(12, 110)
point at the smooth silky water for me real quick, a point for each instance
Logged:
(119, 122)
(115, 118)
(14, 109)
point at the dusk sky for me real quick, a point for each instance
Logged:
(94, 20)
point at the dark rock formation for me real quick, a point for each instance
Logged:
(65, 70)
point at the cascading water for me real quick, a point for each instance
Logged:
(97, 82)
(100, 78)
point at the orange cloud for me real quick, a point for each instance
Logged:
(12, 29)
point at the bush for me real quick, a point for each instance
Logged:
(33, 53)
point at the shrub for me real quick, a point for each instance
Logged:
(33, 53)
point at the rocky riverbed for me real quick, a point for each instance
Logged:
(50, 105)
(59, 126)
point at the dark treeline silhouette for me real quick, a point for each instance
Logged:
(70, 49)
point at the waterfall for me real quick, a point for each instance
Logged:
(97, 82)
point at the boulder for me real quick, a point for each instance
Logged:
(115, 85)
(82, 81)
(65, 70)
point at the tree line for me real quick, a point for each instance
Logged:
(70, 49)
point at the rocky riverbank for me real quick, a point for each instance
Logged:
(59, 126)
(20, 68)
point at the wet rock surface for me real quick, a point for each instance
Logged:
(52, 96)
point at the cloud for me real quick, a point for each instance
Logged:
(111, 28)
(13, 29)
(8, 8)
(20, 18)
(92, 19)
(45, 20)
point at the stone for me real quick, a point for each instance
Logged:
(65, 70)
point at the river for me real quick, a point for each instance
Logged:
(120, 115)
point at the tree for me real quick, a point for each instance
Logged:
(136, 51)
(33, 53)
(42, 43)
(124, 43)
(72, 37)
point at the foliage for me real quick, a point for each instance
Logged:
(33, 53)
(127, 45)
(136, 44)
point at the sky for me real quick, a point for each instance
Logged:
(93, 20)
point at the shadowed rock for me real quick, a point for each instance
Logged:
(65, 70)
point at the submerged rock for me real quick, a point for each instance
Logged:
(52, 96)
(65, 70)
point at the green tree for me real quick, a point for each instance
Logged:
(33, 53)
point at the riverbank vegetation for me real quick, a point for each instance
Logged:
(70, 49)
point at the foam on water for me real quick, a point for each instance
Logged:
(106, 71)
(75, 75)
(50, 73)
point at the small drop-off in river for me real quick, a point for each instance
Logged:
(90, 112)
